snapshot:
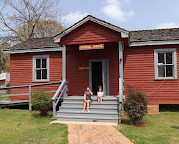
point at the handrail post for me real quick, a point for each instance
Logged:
(64, 63)
(30, 98)
(62, 91)
(54, 108)
(65, 90)
(119, 111)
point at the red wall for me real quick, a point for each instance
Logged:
(79, 79)
(138, 65)
(90, 32)
(139, 73)
(21, 71)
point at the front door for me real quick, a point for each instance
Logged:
(98, 72)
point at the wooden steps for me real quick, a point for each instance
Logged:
(71, 110)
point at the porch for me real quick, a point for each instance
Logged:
(92, 68)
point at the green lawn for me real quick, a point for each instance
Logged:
(160, 128)
(24, 127)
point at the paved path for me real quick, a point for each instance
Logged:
(95, 134)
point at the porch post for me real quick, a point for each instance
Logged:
(64, 63)
(120, 71)
(64, 70)
(120, 81)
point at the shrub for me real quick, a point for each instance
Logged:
(41, 101)
(135, 105)
(8, 85)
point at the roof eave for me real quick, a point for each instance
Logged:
(149, 43)
(18, 51)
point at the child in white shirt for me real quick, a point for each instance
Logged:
(100, 94)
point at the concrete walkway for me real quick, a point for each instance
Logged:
(95, 134)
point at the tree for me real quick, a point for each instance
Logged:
(29, 18)
(43, 29)
(4, 59)
(24, 19)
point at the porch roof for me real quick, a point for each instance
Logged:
(124, 33)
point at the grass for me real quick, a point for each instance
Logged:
(160, 128)
(24, 127)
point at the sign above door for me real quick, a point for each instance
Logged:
(91, 47)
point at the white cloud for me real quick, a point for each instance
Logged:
(168, 25)
(114, 10)
(72, 17)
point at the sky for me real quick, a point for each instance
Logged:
(127, 14)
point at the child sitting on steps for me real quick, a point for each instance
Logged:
(100, 94)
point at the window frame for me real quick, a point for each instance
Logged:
(174, 59)
(34, 79)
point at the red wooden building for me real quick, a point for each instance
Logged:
(93, 52)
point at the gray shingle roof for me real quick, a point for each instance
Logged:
(154, 35)
(134, 36)
(35, 43)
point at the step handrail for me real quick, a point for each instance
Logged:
(60, 93)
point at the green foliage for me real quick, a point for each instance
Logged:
(135, 105)
(4, 59)
(41, 101)
(8, 85)
(7, 63)
(43, 28)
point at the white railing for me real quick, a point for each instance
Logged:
(60, 94)
(29, 92)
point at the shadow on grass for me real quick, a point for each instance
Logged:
(129, 123)
(175, 127)
(126, 121)
(36, 114)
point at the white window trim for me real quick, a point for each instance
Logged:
(156, 51)
(34, 67)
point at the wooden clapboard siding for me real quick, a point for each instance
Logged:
(139, 73)
(21, 71)
(90, 32)
(79, 79)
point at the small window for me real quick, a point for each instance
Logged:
(165, 64)
(41, 68)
